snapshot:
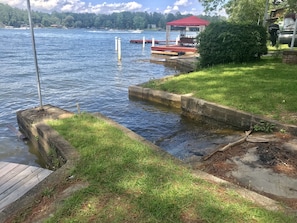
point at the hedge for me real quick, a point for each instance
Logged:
(228, 42)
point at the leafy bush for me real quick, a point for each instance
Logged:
(227, 42)
(264, 127)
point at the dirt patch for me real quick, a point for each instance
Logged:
(277, 154)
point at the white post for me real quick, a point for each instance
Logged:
(116, 44)
(119, 49)
(153, 41)
(176, 40)
(143, 42)
(294, 34)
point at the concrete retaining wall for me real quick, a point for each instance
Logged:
(290, 57)
(58, 153)
(196, 108)
(53, 150)
(162, 97)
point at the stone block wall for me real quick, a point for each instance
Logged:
(195, 108)
(290, 57)
(53, 149)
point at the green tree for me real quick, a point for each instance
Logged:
(170, 17)
(78, 24)
(246, 11)
(123, 20)
(120, 20)
(46, 21)
(139, 22)
(68, 21)
(98, 21)
(292, 5)
(244, 8)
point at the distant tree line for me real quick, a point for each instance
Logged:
(124, 20)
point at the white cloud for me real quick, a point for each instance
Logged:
(181, 3)
(169, 9)
(76, 6)
(175, 8)
(182, 6)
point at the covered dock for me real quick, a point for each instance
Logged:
(187, 43)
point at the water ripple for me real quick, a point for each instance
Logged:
(79, 66)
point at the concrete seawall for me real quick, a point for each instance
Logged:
(196, 108)
(161, 97)
(56, 151)
(49, 142)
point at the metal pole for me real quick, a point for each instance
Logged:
(294, 34)
(34, 51)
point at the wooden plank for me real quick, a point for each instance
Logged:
(5, 168)
(2, 164)
(13, 171)
(19, 189)
(18, 180)
(164, 53)
(174, 48)
(13, 179)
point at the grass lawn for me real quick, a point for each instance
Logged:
(266, 88)
(130, 182)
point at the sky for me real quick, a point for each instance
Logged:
(110, 6)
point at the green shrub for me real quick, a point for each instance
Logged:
(227, 42)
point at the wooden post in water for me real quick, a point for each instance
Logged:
(119, 49)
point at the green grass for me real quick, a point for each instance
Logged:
(266, 88)
(130, 182)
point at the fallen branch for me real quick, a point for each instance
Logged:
(247, 133)
(259, 139)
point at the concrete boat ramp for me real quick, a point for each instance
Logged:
(17, 179)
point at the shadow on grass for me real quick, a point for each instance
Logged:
(264, 88)
(131, 182)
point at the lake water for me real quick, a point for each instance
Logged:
(81, 66)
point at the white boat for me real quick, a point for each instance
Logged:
(136, 31)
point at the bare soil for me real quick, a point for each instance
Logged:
(273, 154)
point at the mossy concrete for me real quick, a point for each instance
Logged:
(32, 124)
(196, 108)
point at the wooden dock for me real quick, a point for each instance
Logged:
(150, 41)
(173, 48)
(18, 179)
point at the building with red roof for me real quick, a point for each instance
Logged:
(186, 43)
(192, 23)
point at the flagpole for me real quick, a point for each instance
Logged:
(34, 51)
